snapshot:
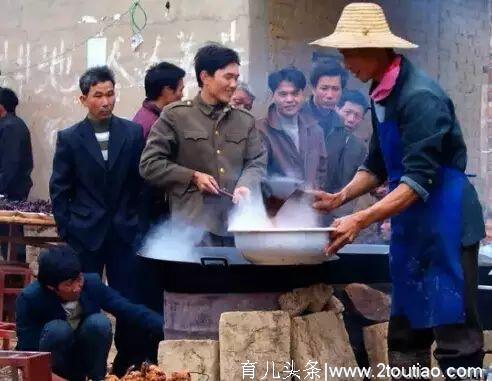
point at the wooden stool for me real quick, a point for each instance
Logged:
(7, 270)
(35, 366)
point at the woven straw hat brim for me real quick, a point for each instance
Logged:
(358, 40)
(363, 25)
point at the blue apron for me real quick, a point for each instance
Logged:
(425, 249)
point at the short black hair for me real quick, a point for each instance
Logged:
(329, 68)
(8, 99)
(93, 76)
(288, 74)
(58, 264)
(213, 57)
(356, 97)
(161, 75)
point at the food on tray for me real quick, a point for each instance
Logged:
(153, 372)
(150, 372)
(135, 375)
(180, 376)
(37, 207)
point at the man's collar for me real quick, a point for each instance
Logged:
(151, 106)
(304, 118)
(322, 112)
(209, 110)
(383, 89)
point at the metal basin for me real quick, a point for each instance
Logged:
(279, 246)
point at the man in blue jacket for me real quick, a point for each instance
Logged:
(437, 222)
(61, 313)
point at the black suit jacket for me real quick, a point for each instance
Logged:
(92, 198)
(15, 158)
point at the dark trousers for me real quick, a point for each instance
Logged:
(119, 259)
(457, 345)
(150, 293)
(80, 353)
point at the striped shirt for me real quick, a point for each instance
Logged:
(101, 130)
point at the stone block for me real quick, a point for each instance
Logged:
(375, 342)
(200, 357)
(335, 305)
(293, 303)
(487, 341)
(253, 341)
(312, 299)
(321, 338)
(368, 302)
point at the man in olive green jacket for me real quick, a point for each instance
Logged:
(199, 147)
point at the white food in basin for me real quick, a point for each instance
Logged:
(281, 246)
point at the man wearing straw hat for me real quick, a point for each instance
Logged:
(437, 220)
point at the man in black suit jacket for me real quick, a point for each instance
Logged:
(95, 191)
(15, 159)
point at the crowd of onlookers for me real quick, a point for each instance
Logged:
(113, 179)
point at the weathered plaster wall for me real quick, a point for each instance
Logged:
(42, 54)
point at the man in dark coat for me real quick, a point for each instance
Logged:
(95, 190)
(343, 154)
(16, 162)
(163, 85)
(61, 313)
(328, 80)
(15, 150)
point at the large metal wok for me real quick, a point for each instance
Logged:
(282, 246)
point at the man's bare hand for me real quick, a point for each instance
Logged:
(240, 194)
(205, 183)
(326, 202)
(346, 230)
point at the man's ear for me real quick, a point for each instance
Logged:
(83, 99)
(166, 91)
(3, 112)
(204, 76)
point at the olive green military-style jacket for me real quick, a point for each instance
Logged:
(194, 136)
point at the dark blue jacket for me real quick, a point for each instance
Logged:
(431, 137)
(36, 306)
(92, 198)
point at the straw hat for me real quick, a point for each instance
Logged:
(363, 25)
